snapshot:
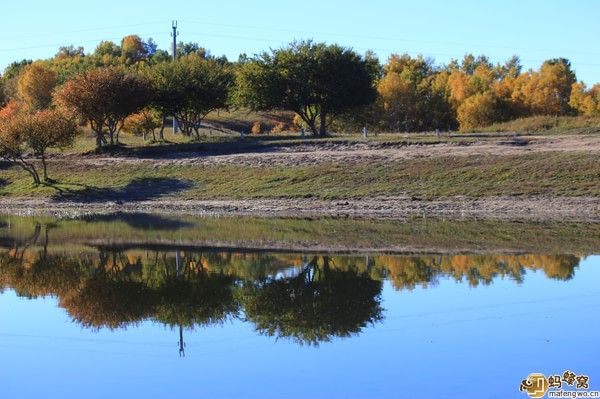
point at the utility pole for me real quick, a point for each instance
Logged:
(174, 35)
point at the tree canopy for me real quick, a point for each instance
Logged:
(326, 85)
(314, 80)
(190, 89)
(104, 98)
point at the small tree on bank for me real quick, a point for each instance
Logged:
(104, 98)
(35, 134)
(143, 123)
(314, 80)
(190, 89)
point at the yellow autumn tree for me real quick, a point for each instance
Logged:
(586, 102)
(460, 90)
(133, 48)
(481, 109)
(35, 85)
(143, 123)
(548, 91)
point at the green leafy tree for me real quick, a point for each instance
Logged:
(190, 89)
(70, 52)
(314, 80)
(107, 48)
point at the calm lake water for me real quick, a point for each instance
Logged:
(146, 306)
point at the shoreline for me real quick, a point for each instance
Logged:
(505, 208)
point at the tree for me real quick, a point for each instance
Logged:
(14, 69)
(48, 129)
(143, 122)
(406, 91)
(314, 80)
(548, 91)
(2, 92)
(104, 98)
(190, 89)
(107, 48)
(584, 101)
(69, 52)
(184, 49)
(10, 110)
(480, 110)
(35, 85)
(12, 146)
(36, 132)
(133, 49)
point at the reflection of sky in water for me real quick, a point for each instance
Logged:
(447, 341)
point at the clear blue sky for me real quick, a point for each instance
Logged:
(535, 30)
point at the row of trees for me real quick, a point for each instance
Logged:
(417, 95)
(135, 86)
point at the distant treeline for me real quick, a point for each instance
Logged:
(329, 87)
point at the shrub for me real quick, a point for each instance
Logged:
(257, 128)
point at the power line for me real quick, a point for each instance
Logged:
(389, 38)
(80, 31)
(268, 40)
(387, 50)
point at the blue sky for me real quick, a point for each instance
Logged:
(534, 30)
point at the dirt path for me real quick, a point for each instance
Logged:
(365, 152)
(580, 209)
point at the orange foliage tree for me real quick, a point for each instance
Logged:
(143, 122)
(36, 133)
(104, 98)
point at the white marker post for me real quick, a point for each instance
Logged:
(365, 132)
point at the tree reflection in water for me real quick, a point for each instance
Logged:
(308, 300)
(317, 304)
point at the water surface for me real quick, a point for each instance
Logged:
(145, 306)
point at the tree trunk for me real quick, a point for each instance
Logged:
(45, 167)
(161, 133)
(323, 124)
(29, 168)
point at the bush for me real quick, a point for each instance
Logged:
(279, 127)
(257, 128)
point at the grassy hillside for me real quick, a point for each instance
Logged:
(550, 173)
(547, 125)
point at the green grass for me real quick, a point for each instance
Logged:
(552, 173)
(547, 125)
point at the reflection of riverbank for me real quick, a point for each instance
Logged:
(246, 234)
(578, 209)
